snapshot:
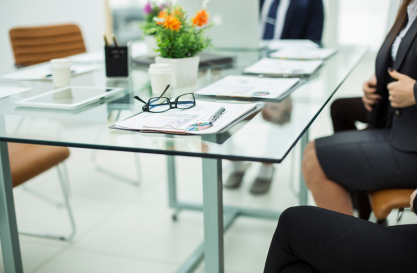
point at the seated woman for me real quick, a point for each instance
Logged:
(382, 157)
(311, 239)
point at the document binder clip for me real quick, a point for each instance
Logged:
(166, 129)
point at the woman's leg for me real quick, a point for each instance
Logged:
(345, 112)
(354, 161)
(328, 241)
(327, 193)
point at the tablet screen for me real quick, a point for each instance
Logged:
(70, 95)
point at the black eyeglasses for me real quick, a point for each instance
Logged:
(163, 104)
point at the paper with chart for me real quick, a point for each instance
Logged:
(43, 72)
(277, 67)
(303, 53)
(181, 119)
(249, 87)
(8, 91)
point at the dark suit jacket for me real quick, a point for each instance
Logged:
(304, 20)
(403, 121)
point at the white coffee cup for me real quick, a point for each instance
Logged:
(61, 72)
(160, 75)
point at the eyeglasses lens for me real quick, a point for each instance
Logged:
(159, 104)
(186, 101)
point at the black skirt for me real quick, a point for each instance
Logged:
(365, 160)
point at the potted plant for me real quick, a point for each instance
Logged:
(151, 10)
(179, 40)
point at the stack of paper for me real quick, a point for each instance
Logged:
(274, 67)
(181, 119)
(8, 91)
(291, 43)
(249, 87)
(303, 53)
(43, 72)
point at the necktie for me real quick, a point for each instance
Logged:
(271, 16)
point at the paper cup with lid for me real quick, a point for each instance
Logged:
(61, 72)
(160, 75)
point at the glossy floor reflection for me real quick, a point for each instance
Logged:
(122, 228)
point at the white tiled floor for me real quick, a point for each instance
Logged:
(122, 228)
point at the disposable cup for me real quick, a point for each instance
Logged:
(160, 75)
(61, 72)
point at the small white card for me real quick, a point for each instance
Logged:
(8, 91)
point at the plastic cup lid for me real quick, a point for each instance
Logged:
(160, 68)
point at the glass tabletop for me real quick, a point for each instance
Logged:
(267, 135)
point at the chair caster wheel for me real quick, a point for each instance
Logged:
(174, 217)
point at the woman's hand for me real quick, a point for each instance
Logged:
(401, 92)
(370, 97)
(412, 199)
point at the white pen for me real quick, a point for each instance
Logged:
(217, 115)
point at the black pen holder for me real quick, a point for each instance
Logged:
(118, 61)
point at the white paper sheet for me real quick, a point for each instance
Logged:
(247, 86)
(89, 57)
(41, 72)
(291, 43)
(181, 119)
(8, 91)
(269, 66)
(303, 53)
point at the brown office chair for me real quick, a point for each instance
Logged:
(34, 45)
(383, 201)
(28, 161)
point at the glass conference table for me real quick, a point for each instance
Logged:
(266, 138)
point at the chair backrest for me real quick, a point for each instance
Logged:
(33, 45)
(383, 201)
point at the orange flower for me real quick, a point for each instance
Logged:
(161, 15)
(201, 18)
(179, 12)
(172, 23)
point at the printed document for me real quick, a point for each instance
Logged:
(275, 67)
(181, 119)
(8, 91)
(303, 53)
(249, 87)
(43, 72)
(291, 43)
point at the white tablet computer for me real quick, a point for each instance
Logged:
(70, 97)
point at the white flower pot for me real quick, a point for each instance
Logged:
(184, 70)
(151, 45)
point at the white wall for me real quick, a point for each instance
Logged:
(89, 15)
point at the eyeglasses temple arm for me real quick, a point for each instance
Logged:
(139, 99)
(168, 86)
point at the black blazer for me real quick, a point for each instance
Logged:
(402, 121)
(304, 20)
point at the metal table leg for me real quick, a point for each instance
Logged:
(303, 190)
(213, 215)
(8, 226)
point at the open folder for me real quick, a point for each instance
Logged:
(283, 68)
(303, 53)
(177, 121)
(250, 87)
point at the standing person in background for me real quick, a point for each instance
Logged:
(292, 19)
(281, 19)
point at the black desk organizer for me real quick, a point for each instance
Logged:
(117, 61)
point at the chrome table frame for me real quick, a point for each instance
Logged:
(217, 218)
